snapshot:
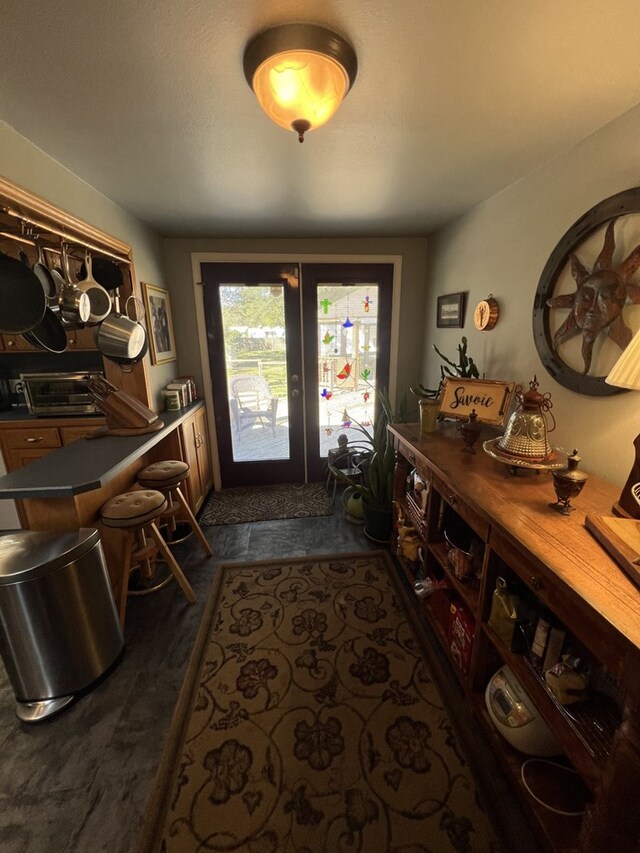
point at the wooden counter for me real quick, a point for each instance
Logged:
(87, 464)
(65, 489)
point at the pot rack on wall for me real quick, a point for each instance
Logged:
(24, 218)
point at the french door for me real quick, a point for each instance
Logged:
(296, 353)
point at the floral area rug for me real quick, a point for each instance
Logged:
(266, 503)
(308, 721)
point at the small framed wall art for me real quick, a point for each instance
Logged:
(450, 311)
(159, 323)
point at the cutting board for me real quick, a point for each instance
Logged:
(621, 538)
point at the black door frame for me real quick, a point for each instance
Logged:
(233, 473)
(316, 270)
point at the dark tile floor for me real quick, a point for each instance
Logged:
(79, 782)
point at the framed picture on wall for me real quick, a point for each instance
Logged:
(450, 311)
(159, 324)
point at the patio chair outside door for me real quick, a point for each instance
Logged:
(278, 409)
(252, 402)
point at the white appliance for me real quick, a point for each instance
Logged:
(517, 718)
(8, 515)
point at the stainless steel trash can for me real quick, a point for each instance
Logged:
(59, 628)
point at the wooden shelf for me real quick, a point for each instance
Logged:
(565, 569)
(469, 591)
(584, 731)
(407, 567)
(440, 632)
(415, 514)
(558, 833)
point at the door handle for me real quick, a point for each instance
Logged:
(295, 393)
(295, 379)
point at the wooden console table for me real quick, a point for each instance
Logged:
(560, 564)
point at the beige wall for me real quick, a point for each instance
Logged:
(413, 252)
(29, 167)
(501, 247)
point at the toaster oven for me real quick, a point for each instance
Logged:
(59, 393)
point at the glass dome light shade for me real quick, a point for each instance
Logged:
(300, 85)
(300, 73)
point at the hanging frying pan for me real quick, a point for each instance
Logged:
(105, 272)
(49, 334)
(22, 299)
(45, 277)
(98, 296)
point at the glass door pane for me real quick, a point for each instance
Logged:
(255, 342)
(252, 312)
(347, 345)
(347, 320)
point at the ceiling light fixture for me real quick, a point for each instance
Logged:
(300, 74)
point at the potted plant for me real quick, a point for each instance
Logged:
(466, 368)
(375, 457)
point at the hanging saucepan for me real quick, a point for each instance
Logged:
(75, 306)
(98, 296)
(45, 277)
(121, 338)
(49, 334)
(22, 299)
(105, 272)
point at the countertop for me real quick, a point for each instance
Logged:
(86, 464)
(19, 414)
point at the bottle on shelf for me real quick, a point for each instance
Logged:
(540, 639)
(548, 641)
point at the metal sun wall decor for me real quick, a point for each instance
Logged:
(600, 291)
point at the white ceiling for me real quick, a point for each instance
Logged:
(454, 100)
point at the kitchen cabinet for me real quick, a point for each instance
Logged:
(78, 339)
(21, 442)
(69, 434)
(471, 523)
(55, 227)
(16, 343)
(197, 453)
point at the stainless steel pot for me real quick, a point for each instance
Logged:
(120, 337)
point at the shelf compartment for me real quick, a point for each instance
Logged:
(412, 571)
(559, 833)
(435, 609)
(469, 590)
(414, 514)
(584, 730)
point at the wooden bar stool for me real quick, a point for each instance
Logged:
(166, 477)
(136, 513)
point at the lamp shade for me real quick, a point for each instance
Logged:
(625, 373)
(300, 74)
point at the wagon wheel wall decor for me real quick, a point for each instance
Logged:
(579, 324)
